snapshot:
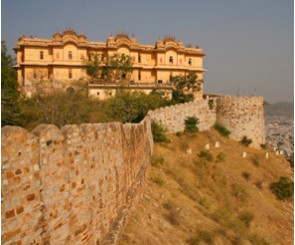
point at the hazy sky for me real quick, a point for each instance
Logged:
(248, 43)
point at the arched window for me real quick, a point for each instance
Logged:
(70, 90)
(41, 55)
(190, 61)
(171, 60)
(70, 55)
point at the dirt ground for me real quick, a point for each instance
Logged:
(216, 197)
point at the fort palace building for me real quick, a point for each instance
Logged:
(62, 59)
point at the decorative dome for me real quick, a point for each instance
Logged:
(133, 40)
(82, 38)
(180, 44)
(69, 32)
(122, 35)
(111, 38)
(169, 38)
(159, 43)
(57, 36)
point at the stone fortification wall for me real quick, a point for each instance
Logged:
(243, 116)
(173, 117)
(74, 185)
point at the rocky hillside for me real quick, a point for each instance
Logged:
(211, 197)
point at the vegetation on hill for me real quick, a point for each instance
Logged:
(221, 129)
(211, 197)
(184, 87)
(190, 124)
(10, 112)
(75, 107)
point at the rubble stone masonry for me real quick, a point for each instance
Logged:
(74, 185)
(173, 117)
(243, 116)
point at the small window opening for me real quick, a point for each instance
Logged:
(190, 61)
(171, 60)
(70, 74)
(41, 55)
(70, 55)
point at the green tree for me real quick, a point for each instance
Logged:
(9, 90)
(184, 86)
(110, 68)
(58, 108)
(129, 106)
(93, 67)
(284, 188)
(120, 66)
(191, 125)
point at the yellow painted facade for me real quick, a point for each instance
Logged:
(63, 58)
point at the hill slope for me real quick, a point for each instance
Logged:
(227, 200)
(277, 109)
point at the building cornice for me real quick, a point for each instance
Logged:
(112, 43)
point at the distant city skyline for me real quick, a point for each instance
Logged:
(249, 44)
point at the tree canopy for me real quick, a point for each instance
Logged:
(109, 68)
(184, 86)
(9, 89)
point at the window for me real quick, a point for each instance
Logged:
(41, 55)
(123, 76)
(171, 60)
(70, 55)
(139, 58)
(139, 76)
(70, 74)
(34, 74)
(190, 61)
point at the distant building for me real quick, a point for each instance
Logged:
(62, 59)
